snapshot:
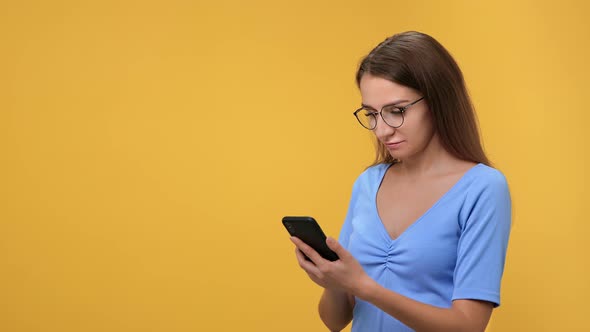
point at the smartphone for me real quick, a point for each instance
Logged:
(310, 232)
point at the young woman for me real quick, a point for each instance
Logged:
(424, 241)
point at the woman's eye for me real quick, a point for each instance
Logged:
(393, 110)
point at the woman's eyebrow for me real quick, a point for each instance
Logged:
(395, 103)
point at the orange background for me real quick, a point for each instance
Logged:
(150, 148)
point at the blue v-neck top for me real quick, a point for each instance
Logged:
(455, 250)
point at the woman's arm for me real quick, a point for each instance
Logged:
(463, 315)
(335, 309)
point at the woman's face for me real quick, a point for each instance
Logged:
(417, 130)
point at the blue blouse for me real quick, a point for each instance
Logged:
(455, 250)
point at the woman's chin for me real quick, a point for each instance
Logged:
(398, 156)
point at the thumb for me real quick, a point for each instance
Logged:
(336, 247)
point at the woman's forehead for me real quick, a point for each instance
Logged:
(377, 91)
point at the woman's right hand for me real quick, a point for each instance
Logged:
(303, 262)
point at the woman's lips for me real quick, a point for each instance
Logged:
(393, 145)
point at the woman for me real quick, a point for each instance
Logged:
(424, 241)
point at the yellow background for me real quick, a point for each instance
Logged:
(149, 150)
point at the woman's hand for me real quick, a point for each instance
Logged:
(345, 274)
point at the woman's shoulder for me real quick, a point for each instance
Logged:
(485, 176)
(485, 194)
(485, 182)
(374, 172)
(371, 177)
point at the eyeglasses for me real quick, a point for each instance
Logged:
(393, 116)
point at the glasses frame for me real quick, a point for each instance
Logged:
(402, 110)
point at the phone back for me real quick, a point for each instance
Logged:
(310, 232)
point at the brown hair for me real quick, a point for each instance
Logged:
(418, 61)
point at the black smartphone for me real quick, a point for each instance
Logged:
(310, 232)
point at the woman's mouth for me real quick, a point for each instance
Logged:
(393, 145)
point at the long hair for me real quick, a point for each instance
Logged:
(418, 61)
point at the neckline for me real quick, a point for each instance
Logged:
(426, 213)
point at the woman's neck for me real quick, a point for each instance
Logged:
(431, 161)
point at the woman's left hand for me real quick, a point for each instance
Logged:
(345, 273)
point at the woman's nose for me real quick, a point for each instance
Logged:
(382, 129)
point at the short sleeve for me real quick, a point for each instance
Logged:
(485, 229)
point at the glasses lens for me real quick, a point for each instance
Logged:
(393, 116)
(366, 118)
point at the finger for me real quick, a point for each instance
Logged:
(308, 251)
(337, 247)
(306, 265)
